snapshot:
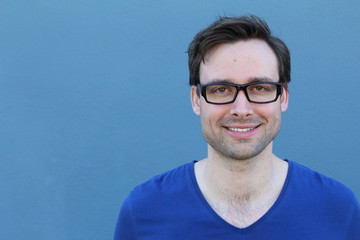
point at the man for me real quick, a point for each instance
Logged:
(239, 75)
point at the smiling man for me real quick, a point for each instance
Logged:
(239, 75)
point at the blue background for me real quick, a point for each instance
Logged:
(94, 100)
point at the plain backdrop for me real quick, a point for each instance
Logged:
(94, 100)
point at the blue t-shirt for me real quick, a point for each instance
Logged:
(171, 207)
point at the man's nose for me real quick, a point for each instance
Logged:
(241, 107)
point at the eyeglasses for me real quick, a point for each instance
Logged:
(225, 93)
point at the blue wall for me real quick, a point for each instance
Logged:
(94, 100)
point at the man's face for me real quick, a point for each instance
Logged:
(240, 130)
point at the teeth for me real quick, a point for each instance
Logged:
(241, 129)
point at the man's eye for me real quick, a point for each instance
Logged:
(262, 88)
(259, 88)
(221, 90)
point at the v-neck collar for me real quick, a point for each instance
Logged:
(225, 223)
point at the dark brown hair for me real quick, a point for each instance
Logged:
(233, 29)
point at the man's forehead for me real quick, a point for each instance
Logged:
(237, 47)
(247, 60)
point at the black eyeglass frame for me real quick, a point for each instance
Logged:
(202, 89)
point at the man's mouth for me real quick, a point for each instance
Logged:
(240, 129)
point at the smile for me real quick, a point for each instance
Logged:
(240, 129)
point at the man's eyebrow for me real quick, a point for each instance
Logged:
(220, 81)
(261, 79)
(250, 80)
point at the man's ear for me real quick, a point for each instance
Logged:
(195, 100)
(284, 98)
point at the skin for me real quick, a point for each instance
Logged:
(241, 178)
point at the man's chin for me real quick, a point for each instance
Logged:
(243, 154)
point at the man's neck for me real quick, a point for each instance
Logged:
(246, 178)
(247, 186)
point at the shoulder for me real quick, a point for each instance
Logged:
(165, 185)
(157, 199)
(320, 186)
(322, 200)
